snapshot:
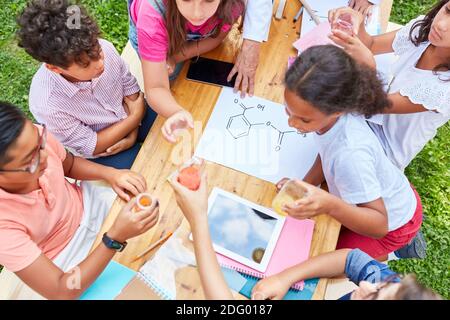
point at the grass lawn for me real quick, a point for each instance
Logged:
(429, 172)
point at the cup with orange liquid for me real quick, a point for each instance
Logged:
(289, 193)
(189, 174)
(145, 201)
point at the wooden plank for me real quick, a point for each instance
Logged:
(157, 158)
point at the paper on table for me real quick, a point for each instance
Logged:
(316, 37)
(159, 272)
(252, 135)
(321, 8)
(110, 282)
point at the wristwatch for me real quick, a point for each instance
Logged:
(113, 244)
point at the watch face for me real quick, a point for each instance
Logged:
(116, 245)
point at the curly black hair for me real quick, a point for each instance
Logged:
(58, 32)
(12, 121)
(424, 27)
(332, 81)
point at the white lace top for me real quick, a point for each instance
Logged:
(404, 136)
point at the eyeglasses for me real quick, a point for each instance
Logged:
(36, 157)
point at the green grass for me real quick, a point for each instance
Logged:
(429, 172)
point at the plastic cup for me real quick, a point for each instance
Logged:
(190, 177)
(145, 201)
(289, 193)
(344, 23)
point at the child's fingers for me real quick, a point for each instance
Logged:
(137, 183)
(151, 218)
(167, 134)
(121, 193)
(128, 186)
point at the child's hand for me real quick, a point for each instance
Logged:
(123, 181)
(273, 288)
(315, 202)
(180, 120)
(354, 47)
(129, 224)
(136, 107)
(281, 183)
(193, 204)
(356, 18)
(122, 145)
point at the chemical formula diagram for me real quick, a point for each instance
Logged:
(239, 125)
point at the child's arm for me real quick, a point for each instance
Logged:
(122, 181)
(369, 219)
(159, 96)
(194, 205)
(47, 279)
(327, 265)
(120, 130)
(402, 105)
(315, 175)
(156, 75)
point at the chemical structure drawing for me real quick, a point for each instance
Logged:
(239, 125)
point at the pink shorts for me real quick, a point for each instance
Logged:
(394, 240)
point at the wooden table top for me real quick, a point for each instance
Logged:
(157, 158)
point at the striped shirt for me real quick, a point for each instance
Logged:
(75, 111)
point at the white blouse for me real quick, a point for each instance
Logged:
(403, 136)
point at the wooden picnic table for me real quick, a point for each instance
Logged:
(155, 159)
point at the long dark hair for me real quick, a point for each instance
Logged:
(12, 121)
(176, 23)
(424, 27)
(332, 81)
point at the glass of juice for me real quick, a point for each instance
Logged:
(189, 175)
(289, 193)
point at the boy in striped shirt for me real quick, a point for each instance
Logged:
(83, 91)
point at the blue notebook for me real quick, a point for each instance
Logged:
(244, 283)
(110, 282)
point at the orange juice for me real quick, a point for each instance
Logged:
(190, 177)
(289, 193)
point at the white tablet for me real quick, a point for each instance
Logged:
(242, 230)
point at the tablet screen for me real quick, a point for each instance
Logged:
(242, 230)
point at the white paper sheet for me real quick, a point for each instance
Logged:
(321, 8)
(252, 135)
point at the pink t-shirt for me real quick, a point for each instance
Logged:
(152, 32)
(43, 221)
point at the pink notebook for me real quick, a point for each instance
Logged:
(292, 248)
(316, 37)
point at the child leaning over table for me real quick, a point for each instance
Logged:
(83, 90)
(47, 224)
(375, 280)
(330, 95)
